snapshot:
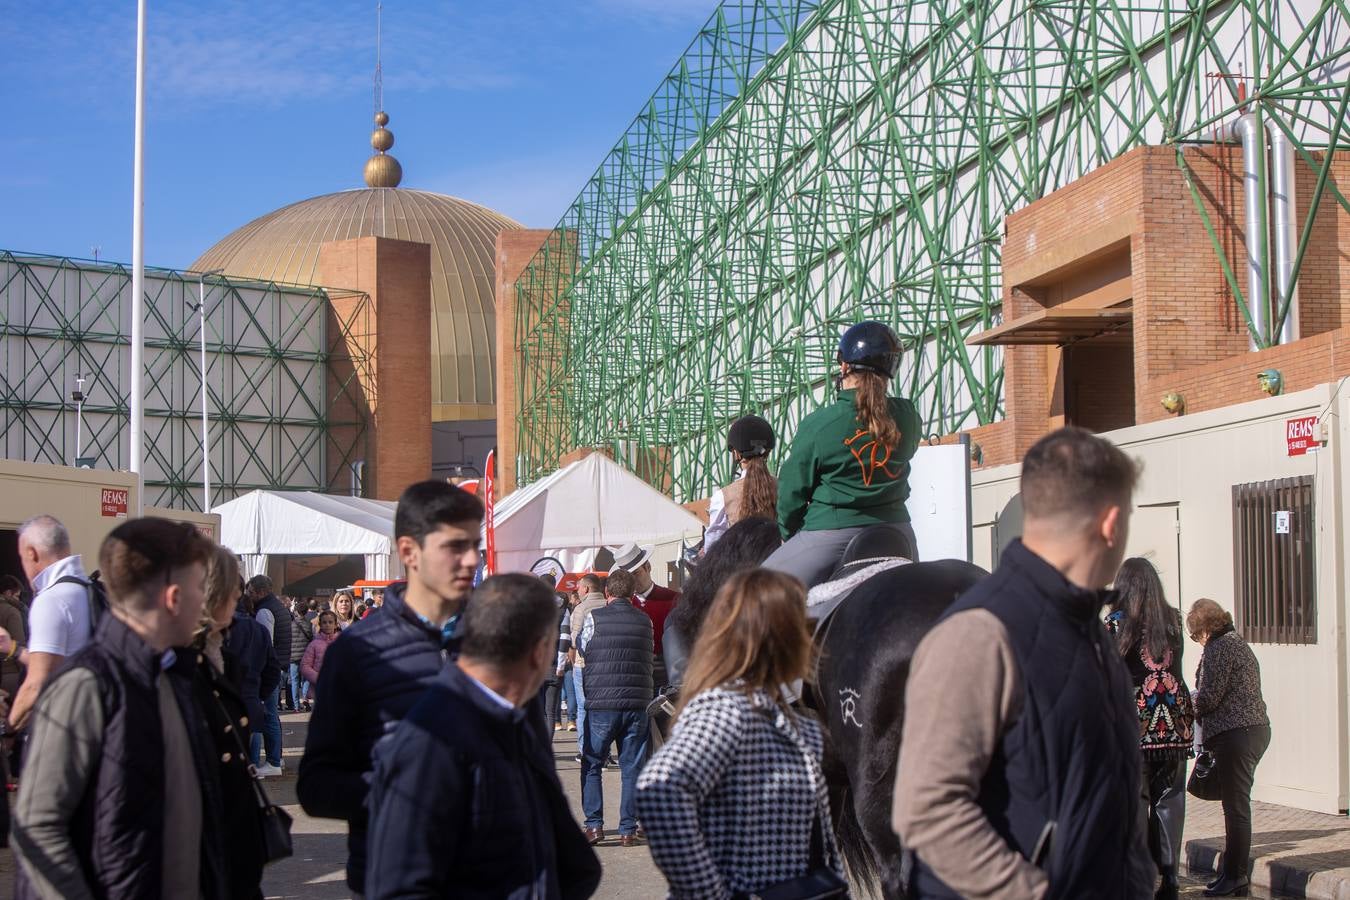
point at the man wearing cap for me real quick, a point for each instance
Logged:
(651, 598)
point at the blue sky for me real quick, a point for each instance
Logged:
(250, 106)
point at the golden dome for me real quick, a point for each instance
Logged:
(284, 246)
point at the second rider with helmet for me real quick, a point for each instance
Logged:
(848, 467)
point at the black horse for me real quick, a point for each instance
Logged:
(866, 646)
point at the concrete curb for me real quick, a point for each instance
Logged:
(1314, 876)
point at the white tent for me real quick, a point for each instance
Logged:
(302, 523)
(579, 508)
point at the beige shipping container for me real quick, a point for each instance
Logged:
(1183, 522)
(89, 502)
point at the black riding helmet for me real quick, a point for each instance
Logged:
(750, 436)
(870, 347)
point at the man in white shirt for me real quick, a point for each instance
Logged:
(58, 620)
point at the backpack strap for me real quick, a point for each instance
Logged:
(94, 588)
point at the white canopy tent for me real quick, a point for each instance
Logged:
(302, 523)
(583, 506)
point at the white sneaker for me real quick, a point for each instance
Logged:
(267, 770)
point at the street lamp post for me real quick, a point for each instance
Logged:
(78, 396)
(206, 425)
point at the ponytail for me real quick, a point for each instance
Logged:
(874, 409)
(761, 490)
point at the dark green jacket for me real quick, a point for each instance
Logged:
(835, 477)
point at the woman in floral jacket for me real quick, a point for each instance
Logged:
(1148, 633)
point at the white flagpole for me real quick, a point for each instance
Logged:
(137, 423)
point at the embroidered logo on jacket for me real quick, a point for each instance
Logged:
(871, 456)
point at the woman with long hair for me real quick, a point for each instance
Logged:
(1148, 634)
(735, 803)
(754, 493)
(1234, 727)
(228, 720)
(345, 609)
(745, 546)
(848, 468)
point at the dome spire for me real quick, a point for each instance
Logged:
(382, 170)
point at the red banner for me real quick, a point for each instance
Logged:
(489, 490)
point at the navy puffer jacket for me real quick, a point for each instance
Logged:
(371, 676)
(250, 665)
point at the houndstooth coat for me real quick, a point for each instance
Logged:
(728, 802)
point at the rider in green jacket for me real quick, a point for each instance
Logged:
(849, 463)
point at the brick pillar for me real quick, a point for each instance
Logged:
(397, 386)
(515, 249)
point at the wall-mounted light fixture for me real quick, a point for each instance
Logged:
(1174, 403)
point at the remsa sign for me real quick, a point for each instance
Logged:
(1300, 434)
(114, 503)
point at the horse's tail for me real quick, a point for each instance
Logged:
(862, 867)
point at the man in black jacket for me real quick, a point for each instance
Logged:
(1019, 763)
(374, 673)
(120, 797)
(464, 800)
(616, 640)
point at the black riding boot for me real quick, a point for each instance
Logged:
(1170, 887)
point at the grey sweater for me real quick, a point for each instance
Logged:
(1228, 692)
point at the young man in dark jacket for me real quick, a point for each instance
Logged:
(617, 642)
(120, 795)
(464, 800)
(374, 673)
(1021, 744)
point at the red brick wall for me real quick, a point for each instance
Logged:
(1188, 333)
(515, 249)
(1304, 364)
(397, 277)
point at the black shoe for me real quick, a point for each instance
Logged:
(1213, 881)
(1229, 886)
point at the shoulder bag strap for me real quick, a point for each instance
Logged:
(818, 856)
(259, 795)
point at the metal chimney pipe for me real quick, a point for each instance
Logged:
(358, 487)
(1253, 145)
(1284, 228)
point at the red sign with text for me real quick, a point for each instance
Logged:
(1301, 435)
(114, 503)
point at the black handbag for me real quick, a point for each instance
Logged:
(274, 821)
(1204, 782)
(819, 883)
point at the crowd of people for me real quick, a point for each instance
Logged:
(1047, 720)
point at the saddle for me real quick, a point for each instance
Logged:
(872, 550)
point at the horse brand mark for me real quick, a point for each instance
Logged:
(848, 706)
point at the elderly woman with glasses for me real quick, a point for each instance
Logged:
(1234, 727)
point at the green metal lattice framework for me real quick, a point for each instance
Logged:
(285, 373)
(808, 164)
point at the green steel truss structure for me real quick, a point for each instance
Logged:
(805, 165)
(284, 376)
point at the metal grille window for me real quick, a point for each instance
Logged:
(1273, 561)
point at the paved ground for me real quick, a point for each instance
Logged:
(1286, 842)
(1298, 853)
(629, 874)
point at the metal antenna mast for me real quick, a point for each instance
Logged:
(379, 68)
